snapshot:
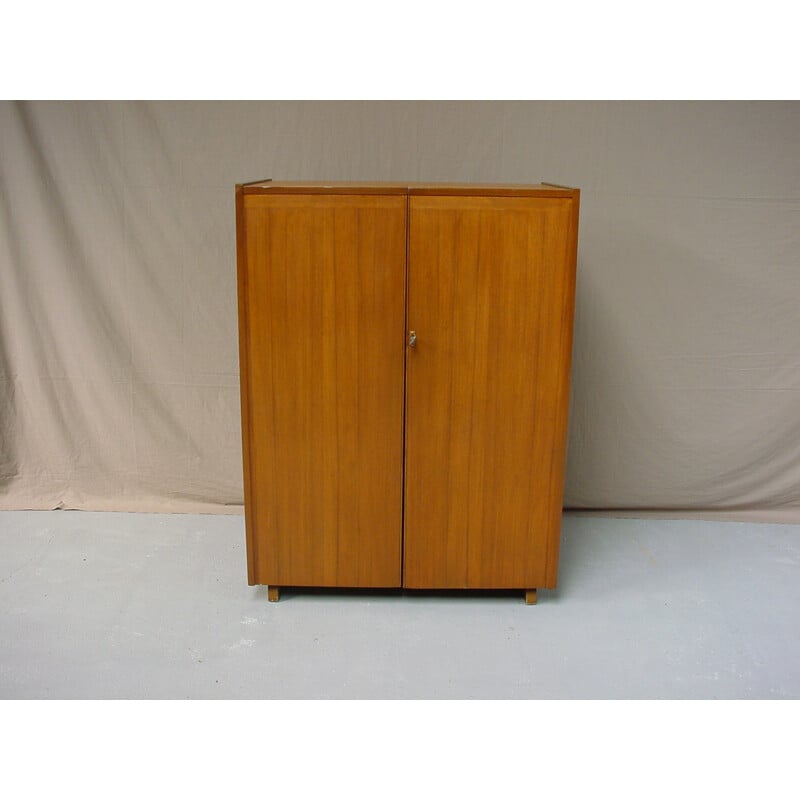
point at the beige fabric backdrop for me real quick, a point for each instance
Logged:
(118, 328)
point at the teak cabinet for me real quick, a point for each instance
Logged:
(404, 361)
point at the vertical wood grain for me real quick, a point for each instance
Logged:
(244, 392)
(489, 280)
(325, 287)
(562, 402)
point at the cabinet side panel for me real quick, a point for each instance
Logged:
(488, 284)
(326, 329)
(244, 372)
(564, 358)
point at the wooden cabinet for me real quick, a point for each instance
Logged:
(404, 361)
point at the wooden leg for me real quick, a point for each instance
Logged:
(273, 593)
(530, 597)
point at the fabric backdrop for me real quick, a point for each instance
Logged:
(118, 314)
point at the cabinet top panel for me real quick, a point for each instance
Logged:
(417, 188)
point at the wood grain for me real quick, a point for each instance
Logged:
(244, 374)
(324, 332)
(410, 188)
(489, 282)
(564, 359)
(327, 188)
(273, 594)
(488, 190)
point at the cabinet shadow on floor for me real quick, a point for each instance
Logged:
(289, 593)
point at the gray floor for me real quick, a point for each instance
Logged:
(104, 605)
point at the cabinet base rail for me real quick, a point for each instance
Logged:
(274, 595)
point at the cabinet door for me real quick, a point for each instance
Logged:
(324, 337)
(490, 298)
